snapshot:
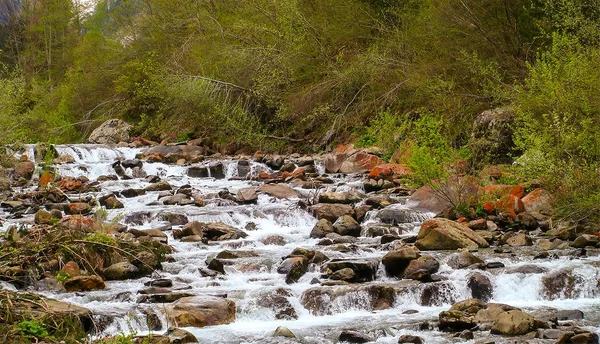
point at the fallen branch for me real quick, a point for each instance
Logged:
(282, 138)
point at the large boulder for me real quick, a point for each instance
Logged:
(110, 132)
(492, 135)
(201, 311)
(538, 203)
(346, 159)
(444, 234)
(219, 231)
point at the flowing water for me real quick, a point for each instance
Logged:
(247, 280)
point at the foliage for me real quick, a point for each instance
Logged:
(33, 328)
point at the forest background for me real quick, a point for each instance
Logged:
(410, 77)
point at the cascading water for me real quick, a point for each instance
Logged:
(249, 278)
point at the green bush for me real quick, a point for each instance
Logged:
(33, 328)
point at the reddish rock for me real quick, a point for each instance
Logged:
(46, 178)
(84, 283)
(346, 159)
(77, 222)
(78, 208)
(390, 171)
(71, 268)
(24, 169)
(538, 203)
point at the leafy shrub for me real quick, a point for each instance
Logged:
(33, 328)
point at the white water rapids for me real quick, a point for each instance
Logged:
(249, 279)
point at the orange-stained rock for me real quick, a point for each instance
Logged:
(78, 208)
(360, 161)
(510, 204)
(538, 203)
(264, 175)
(390, 170)
(46, 178)
(70, 184)
(347, 159)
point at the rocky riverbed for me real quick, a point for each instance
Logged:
(291, 249)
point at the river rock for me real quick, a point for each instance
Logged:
(159, 186)
(332, 212)
(84, 283)
(277, 301)
(279, 191)
(313, 256)
(129, 193)
(465, 259)
(354, 337)
(321, 229)
(341, 197)
(364, 270)
(293, 268)
(481, 286)
(560, 284)
(422, 268)
(517, 239)
(394, 215)
(346, 225)
(396, 261)
(585, 240)
(110, 132)
(24, 169)
(219, 231)
(121, 271)
(247, 196)
(43, 217)
(282, 331)
(514, 323)
(322, 300)
(461, 316)
(78, 208)
(407, 338)
(111, 202)
(444, 234)
(201, 311)
(177, 199)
